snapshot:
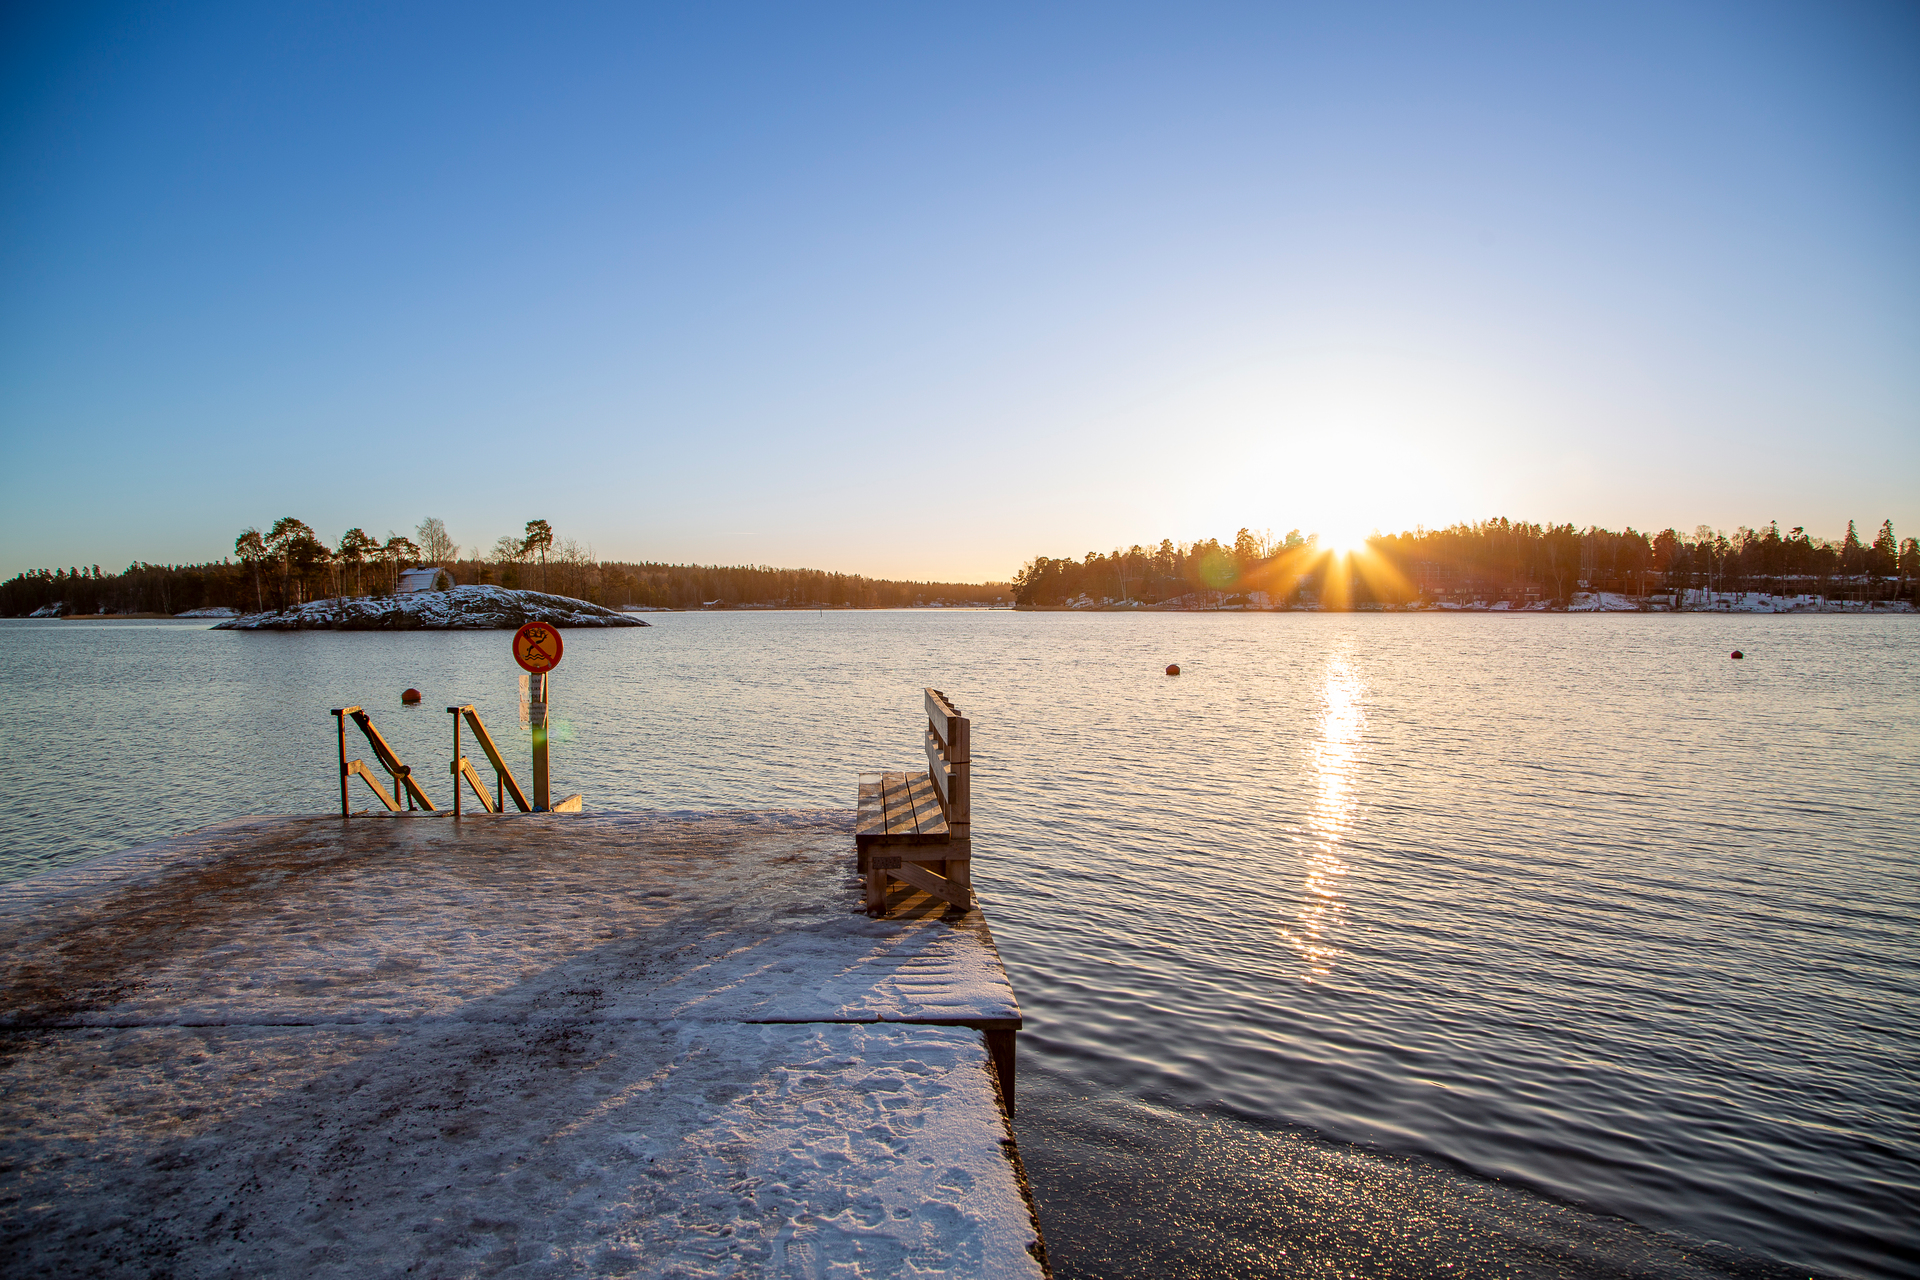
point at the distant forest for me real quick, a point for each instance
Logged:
(289, 565)
(1491, 561)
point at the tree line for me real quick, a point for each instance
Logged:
(289, 564)
(1490, 560)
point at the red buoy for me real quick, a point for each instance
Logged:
(1738, 654)
(1173, 670)
(411, 695)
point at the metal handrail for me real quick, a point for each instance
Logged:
(388, 758)
(504, 782)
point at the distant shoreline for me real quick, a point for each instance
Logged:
(1824, 608)
(1899, 609)
(1690, 601)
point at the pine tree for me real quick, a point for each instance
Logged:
(252, 549)
(1886, 552)
(539, 538)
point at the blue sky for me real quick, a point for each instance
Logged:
(921, 291)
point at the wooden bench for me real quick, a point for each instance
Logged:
(913, 826)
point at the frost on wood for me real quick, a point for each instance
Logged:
(473, 608)
(524, 1044)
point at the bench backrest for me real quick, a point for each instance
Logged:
(950, 760)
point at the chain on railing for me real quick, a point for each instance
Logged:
(388, 759)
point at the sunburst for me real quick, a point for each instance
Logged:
(1333, 562)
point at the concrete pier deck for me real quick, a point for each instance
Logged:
(532, 1045)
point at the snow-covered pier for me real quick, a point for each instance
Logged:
(542, 1044)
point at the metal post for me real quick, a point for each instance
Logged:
(455, 711)
(537, 723)
(340, 714)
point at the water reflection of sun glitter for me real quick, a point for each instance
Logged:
(1335, 757)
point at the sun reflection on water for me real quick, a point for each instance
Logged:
(1335, 756)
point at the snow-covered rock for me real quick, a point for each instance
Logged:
(461, 609)
(1602, 602)
(215, 611)
(57, 609)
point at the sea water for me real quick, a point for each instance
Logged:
(1369, 944)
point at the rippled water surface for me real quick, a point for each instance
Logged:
(1564, 911)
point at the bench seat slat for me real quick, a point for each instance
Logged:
(899, 808)
(912, 806)
(870, 815)
(923, 807)
(893, 794)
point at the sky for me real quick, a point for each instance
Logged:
(927, 291)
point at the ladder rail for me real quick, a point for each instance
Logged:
(386, 757)
(507, 786)
(391, 762)
(349, 768)
(360, 767)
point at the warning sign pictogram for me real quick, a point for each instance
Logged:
(536, 647)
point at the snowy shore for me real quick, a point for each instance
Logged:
(459, 609)
(1581, 602)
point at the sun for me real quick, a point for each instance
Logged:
(1343, 540)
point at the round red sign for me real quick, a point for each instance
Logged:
(536, 647)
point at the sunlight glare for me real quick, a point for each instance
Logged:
(1335, 762)
(1343, 539)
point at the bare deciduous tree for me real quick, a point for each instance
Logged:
(435, 546)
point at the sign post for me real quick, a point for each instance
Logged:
(536, 647)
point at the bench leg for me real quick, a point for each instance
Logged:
(876, 888)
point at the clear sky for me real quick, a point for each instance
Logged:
(917, 290)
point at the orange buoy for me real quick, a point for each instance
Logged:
(1738, 654)
(1173, 670)
(410, 696)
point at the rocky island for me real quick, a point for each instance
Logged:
(471, 608)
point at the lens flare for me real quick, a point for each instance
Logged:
(1342, 541)
(1334, 576)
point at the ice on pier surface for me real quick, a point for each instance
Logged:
(537, 1045)
(462, 1148)
(731, 917)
